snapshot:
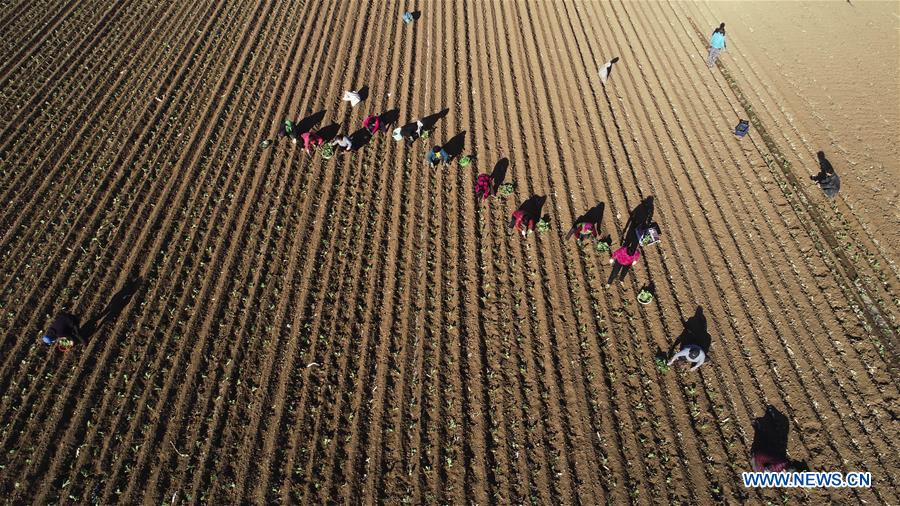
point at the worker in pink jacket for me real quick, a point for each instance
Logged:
(311, 140)
(622, 259)
(484, 187)
(372, 124)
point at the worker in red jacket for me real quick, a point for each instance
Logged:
(522, 222)
(584, 230)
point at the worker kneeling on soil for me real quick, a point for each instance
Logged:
(584, 231)
(692, 353)
(65, 326)
(288, 129)
(522, 222)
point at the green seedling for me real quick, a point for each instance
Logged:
(543, 225)
(661, 364)
(645, 297)
(506, 189)
(465, 161)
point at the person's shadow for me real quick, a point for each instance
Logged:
(640, 217)
(429, 121)
(694, 333)
(306, 124)
(825, 168)
(328, 133)
(770, 437)
(454, 146)
(532, 208)
(389, 118)
(360, 138)
(499, 174)
(112, 309)
(593, 215)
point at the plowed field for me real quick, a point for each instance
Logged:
(266, 325)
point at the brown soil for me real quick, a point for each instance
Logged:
(285, 328)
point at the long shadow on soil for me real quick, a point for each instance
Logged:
(360, 138)
(533, 206)
(112, 309)
(770, 436)
(389, 118)
(454, 146)
(499, 174)
(328, 133)
(593, 215)
(428, 122)
(640, 217)
(694, 333)
(306, 124)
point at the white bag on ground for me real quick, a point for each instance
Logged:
(606, 69)
(352, 97)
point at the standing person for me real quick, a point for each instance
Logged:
(623, 258)
(827, 179)
(522, 222)
(692, 353)
(372, 124)
(437, 155)
(310, 140)
(344, 142)
(288, 129)
(66, 325)
(716, 45)
(484, 187)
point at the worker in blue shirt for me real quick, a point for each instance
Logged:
(716, 45)
(436, 156)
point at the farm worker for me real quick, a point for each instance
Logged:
(344, 142)
(716, 45)
(288, 129)
(827, 179)
(763, 462)
(623, 258)
(352, 97)
(437, 155)
(410, 132)
(692, 353)
(65, 325)
(584, 229)
(484, 187)
(522, 222)
(311, 139)
(372, 124)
